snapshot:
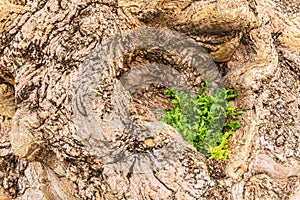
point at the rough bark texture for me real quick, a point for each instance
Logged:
(42, 48)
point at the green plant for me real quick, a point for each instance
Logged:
(197, 118)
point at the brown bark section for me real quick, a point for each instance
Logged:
(43, 45)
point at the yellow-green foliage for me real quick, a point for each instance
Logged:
(192, 116)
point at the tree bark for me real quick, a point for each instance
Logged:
(48, 151)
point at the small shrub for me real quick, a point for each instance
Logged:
(192, 116)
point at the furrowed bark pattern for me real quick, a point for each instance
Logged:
(43, 44)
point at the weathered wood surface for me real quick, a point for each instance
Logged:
(42, 47)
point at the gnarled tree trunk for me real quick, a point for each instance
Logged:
(45, 153)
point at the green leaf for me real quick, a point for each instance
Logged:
(192, 116)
